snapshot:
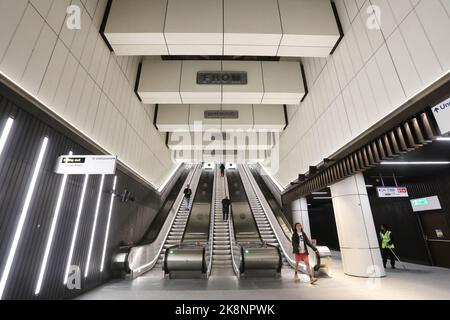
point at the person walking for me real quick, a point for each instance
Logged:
(222, 170)
(387, 245)
(300, 243)
(187, 196)
(226, 208)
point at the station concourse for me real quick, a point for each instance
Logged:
(171, 150)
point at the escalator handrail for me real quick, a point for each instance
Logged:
(236, 268)
(211, 224)
(287, 233)
(178, 203)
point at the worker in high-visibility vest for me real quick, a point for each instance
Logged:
(387, 245)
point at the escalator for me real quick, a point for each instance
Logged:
(271, 216)
(188, 258)
(276, 209)
(251, 254)
(153, 231)
(166, 230)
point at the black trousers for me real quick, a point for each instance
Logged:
(387, 254)
(226, 214)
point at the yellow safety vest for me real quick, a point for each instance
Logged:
(386, 237)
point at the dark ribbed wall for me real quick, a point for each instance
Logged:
(129, 220)
(398, 214)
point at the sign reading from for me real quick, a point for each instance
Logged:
(441, 113)
(222, 77)
(392, 192)
(86, 165)
(426, 204)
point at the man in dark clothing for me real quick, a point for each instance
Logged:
(300, 244)
(187, 196)
(226, 208)
(387, 245)
(222, 170)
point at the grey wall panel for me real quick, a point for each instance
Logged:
(16, 167)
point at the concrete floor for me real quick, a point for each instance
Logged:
(417, 282)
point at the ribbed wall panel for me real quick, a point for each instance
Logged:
(128, 223)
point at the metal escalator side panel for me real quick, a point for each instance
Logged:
(190, 255)
(276, 209)
(197, 227)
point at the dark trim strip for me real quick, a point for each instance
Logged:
(222, 58)
(138, 80)
(339, 24)
(155, 117)
(286, 117)
(305, 83)
(103, 25)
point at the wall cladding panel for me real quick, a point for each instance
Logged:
(384, 53)
(129, 220)
(62, 68)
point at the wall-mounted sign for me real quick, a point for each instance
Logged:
(392, 192)
(441, 113)
(426, 204)
(222, 77)
(221, 114)
(440, 234)
(86, 165)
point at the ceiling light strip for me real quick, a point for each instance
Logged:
(23, 216)
(52, 233)
(91, 243)
(5, 133)
(108, 224)
(75, 230)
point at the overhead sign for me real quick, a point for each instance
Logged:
(426, 204)
(222, 77)
(73, 165)
(441, 113)
(221, 114)
(392, 192)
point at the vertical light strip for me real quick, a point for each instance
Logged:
(75, 230)
(23, 216)
(91, 243)
(5, 134)
(52, 233)
(107, 225)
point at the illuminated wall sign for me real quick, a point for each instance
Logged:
(426, 204)
(392, 192)
(86, 165)
(222, 77)
(441, 113)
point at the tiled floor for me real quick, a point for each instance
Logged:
(417, 282)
